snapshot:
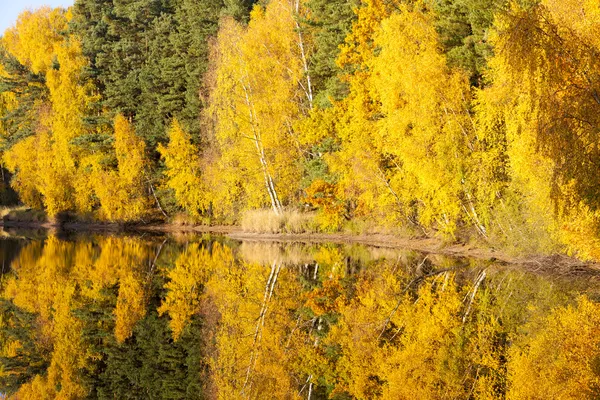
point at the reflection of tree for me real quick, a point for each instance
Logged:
(22, 356)
(54, 277)
(256, 306)
(111, 317)
(193, 268)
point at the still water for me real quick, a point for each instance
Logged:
(195, 317)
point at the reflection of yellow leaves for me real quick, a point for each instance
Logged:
(69, 353)
(52, 277)
(372, 336)
(387, 336)
(331, 262)
(192, 269)
(131, 306)
(256, 337)
(326, 299)
(557, 360)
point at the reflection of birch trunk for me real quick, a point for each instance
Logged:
(260, 323)
(478, 282)
(308, 88)
(256, 137)
(310, 385)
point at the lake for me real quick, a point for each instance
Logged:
(184, 316)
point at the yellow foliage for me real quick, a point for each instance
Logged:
(255, 100)
(183, 171)
(53, 175)
(405, 130)
(122, 193)
(547, 101)
(70, 98)
(35, 36)
(425, 129)
(21, 160)
(50, 170)
(359, 46)
(37, 389)
(84, 183)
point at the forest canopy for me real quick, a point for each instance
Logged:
(442, 117)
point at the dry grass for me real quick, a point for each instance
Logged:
(266, 221)
(22, 214)
(183, 219)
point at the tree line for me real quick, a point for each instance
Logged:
(441, 117)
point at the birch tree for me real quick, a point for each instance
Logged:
(261, 86)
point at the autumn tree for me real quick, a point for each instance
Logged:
(122, 192)
(260, 88)
(51, 171)
(183, 171)
(544, 103)
(404, 128)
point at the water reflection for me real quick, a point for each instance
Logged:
(187, 317)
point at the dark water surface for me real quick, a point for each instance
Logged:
(178, 317)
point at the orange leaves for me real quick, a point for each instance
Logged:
(327, 299)
(321, 194)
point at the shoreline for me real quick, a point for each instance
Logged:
(553, 262)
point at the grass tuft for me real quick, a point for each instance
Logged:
(266, 221)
